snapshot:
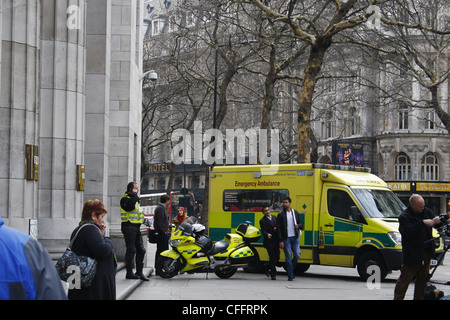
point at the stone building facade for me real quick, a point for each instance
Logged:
(406, 146)
(70, 101)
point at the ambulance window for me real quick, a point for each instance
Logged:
(253, 200)
(339, 204)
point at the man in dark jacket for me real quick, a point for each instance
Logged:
(26, 269)
(415, 226)
(269, 230)
(161, 225)
(289, 231)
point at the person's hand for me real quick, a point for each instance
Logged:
(281, 245)
(436, 220)
(269, 236)
(432, 222)
(103, 229)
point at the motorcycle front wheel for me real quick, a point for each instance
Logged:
(167, 267)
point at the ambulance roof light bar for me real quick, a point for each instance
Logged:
(340, 167)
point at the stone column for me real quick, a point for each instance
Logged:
(62, 114)
(19, 108)
(125, 108)
(98, 73)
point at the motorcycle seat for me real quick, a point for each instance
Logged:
(220, 246)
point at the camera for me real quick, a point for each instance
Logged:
(444, 218)
(444, 229)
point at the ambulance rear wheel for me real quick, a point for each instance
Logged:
(301, 268)
(254, 266)
(369, 263)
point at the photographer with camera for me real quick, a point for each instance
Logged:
(415, 226)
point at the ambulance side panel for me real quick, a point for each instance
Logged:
(230, 203)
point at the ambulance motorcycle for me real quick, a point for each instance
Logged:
(192, 251)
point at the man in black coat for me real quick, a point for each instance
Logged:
(161, 225)
(415, 226)
(268, 225)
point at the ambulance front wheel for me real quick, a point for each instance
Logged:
(371, 262)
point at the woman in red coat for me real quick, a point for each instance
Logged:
(91, 242)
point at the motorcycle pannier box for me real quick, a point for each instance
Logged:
(248, 232)
(233, 239)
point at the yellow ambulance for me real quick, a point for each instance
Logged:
(349, 215)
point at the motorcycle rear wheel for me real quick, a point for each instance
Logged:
(167, 267)
(225, 273)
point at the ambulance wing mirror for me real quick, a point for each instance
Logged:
(356, 214)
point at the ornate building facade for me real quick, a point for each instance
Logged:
(406, 146)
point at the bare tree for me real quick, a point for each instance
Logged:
(207, 36)
(316, 24)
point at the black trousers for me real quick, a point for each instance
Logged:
(409, 273)
(273, 250)
(162, 244)
(134, 244)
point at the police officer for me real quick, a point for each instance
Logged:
(132, 217)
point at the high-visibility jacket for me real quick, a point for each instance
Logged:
(134, 216)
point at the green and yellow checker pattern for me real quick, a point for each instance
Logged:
(241, 253)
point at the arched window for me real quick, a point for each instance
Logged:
(429, 168)
(402, 167)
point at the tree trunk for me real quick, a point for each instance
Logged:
(269, 94)
(312, 69)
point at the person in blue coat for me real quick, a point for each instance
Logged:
(26, 269)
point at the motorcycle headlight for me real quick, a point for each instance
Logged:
(174, 243)
(396, 237)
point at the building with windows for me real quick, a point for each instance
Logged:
(406, 146)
